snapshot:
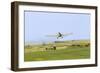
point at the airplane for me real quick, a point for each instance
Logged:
(59, 35)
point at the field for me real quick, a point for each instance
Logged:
(58, 50)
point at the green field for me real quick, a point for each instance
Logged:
(66, 50)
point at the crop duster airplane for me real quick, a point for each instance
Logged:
(59, 35)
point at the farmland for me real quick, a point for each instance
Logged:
(58, 50)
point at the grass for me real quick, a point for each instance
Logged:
(60, 54)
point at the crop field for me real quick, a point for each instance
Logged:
(58, 50)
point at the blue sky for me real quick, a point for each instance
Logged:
(40, 24)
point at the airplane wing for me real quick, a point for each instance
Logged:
(51, 35)
(67, 34)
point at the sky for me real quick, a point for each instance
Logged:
(40, 24)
